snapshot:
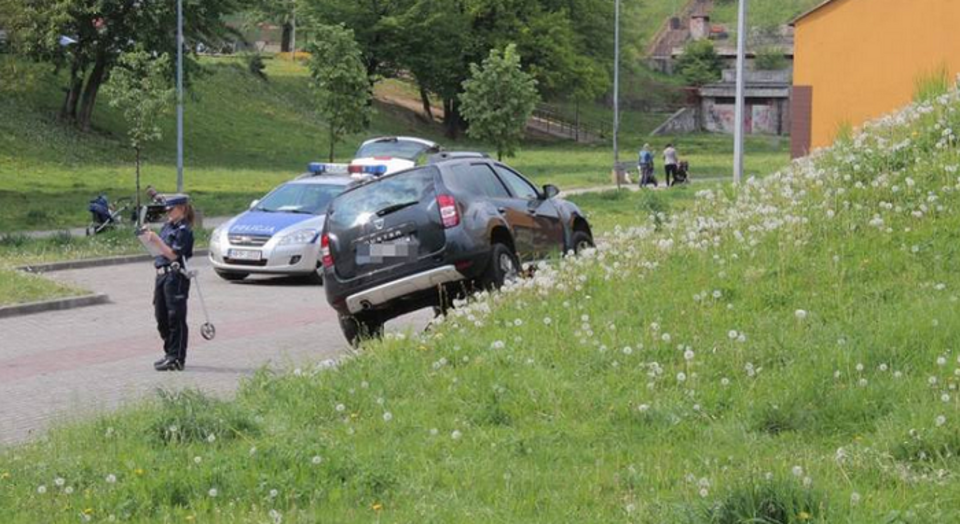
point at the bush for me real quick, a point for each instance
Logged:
(699, 63)
(771, 59)
(256, 66)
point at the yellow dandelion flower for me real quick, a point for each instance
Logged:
(377, 506)
(189, 518)
(423, 348)
(5, 475)
(803, 515)
(138, 471)
(88, 511)
(354, 415)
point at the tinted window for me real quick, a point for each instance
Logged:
(475, 179)
(407, 149)
(520, 187)
(357, 206)
(300, 198)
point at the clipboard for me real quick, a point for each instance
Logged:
(151, 248)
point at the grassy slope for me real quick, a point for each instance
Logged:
(242, 137)
(787, 351)
(764, 13)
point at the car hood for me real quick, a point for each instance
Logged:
(269, 224)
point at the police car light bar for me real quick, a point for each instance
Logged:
(368, 170)
(319, 168)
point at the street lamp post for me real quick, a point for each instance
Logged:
(616, 92)
(741, 87)
(179, 96)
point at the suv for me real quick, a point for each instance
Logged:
(420, 237)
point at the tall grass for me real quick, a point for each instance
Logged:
(929, 86)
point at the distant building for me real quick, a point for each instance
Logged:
(767, 104)
(857, 60)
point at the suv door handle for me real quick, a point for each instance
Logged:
(502, 210)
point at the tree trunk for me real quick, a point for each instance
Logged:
(425, 100)
(68, 113)
(451, 118)
(285, 37)
(333, 142)
(89, 99)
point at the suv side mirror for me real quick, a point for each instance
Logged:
(254, 204)
(550, 191)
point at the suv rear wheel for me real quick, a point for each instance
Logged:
(503, 267)
(358, 328)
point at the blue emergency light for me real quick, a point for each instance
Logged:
(317, 167)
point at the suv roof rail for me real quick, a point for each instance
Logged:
(445, 156)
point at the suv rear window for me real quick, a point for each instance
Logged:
(407, 149)
(475, 179)
(359, 205)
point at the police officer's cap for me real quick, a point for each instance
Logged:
(177, 199)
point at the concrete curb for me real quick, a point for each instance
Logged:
(53, 305)
(95, 262)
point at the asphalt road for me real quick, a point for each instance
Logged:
(63, 365)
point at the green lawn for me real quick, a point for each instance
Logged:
(21, 250)
(17, 287)
(784, 352)
(242, 137)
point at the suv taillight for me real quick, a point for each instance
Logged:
(325, 251)
(449, 214)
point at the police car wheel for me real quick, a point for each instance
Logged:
(231, 275)
(315, 277)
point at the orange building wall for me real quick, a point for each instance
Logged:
(864, 57)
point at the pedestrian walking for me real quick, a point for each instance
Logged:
(172, 285)
(670, 163)
(646, 167)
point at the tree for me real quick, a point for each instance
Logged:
(498, 99)
(102, 30)
(340, 82)
(699, 64)
(139, 87)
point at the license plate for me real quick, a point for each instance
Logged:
(244, 254)
(404, 248)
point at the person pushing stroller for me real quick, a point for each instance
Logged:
(646, 167)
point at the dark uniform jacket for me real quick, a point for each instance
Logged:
(180, 239)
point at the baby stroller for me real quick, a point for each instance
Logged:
(682, 175)
(104, 215)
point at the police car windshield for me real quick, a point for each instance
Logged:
(393, 148)
(300, 198)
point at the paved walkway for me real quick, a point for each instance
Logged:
(62, 365)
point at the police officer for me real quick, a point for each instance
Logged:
(172, 288)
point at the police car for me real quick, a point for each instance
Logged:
(390, 154)
(279, 234)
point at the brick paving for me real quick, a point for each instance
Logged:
(61, 365)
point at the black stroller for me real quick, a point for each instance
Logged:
(104, 215)
(682, 176)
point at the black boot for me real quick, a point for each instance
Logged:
(169, 364)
